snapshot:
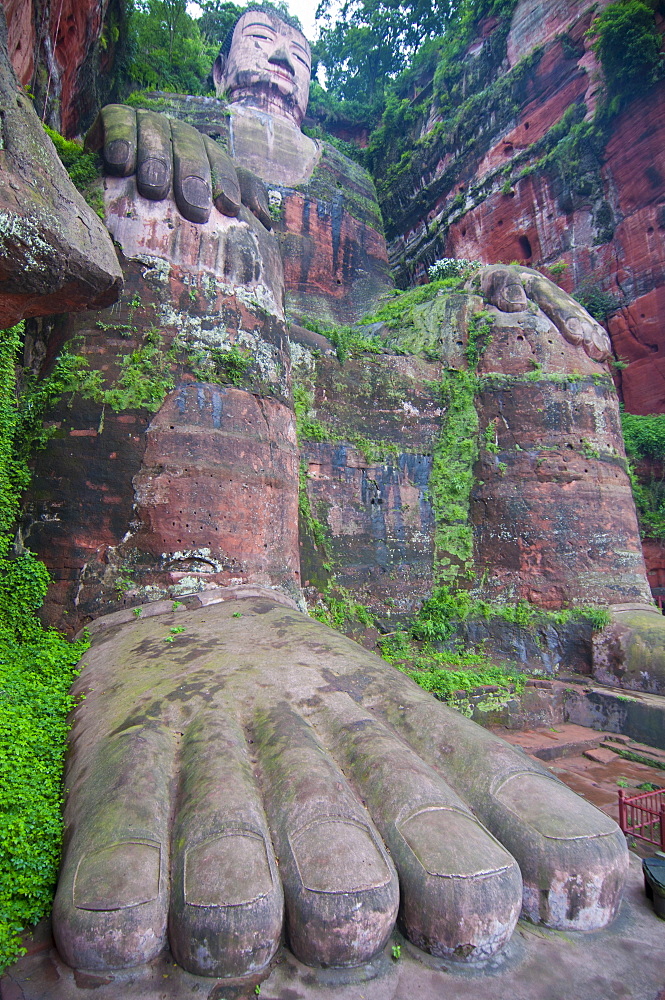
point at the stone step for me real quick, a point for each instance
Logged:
(633, 751)
(555, 742)
(601, 755)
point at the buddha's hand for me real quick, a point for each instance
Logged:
(239, 773)
(169, 155)
(511, 287)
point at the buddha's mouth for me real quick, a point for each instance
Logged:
(281, 74)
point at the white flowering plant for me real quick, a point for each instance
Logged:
(452, 267)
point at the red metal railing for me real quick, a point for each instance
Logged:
(643, 816)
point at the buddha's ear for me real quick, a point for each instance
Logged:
(218, 70)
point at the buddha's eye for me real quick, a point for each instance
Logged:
(301, 60)
(264, 38)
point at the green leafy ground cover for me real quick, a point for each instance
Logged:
(429, 653)
(644, 438)
(37, 666)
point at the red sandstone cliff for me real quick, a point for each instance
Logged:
(55, 51)
(595, 209)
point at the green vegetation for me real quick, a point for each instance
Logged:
(451, 479)
(346, 148)
(338, 608)
(447, 673)
(85, 169)
(348, 341)
(220, 366)
(316, 530)
(168, 50)
(447, 608)
(396, 312)
(307, 427)
(628, 45)
(479, 337)
(597, 302)
(453, 267)
(429, 652)
(644, 437)
(36, 672)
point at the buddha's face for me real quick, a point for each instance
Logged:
(268, 58)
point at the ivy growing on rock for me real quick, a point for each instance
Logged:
(37, 666)
(644, 438)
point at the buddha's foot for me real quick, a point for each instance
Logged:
(240, 773)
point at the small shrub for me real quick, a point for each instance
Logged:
(452, 267)
(628, 46)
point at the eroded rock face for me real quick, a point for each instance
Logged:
(630, 653)
(56, 254)
(548, 515)
(324, 209)
(54, 50)
(554, 518)
(599, 219)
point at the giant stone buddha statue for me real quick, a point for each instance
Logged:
(241, 775)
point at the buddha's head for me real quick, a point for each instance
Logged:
(267, 65)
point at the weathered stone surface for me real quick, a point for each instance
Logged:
(324, 208)
(630, 653)
(601, 217)
(541, 22)
(56, 253)
(553, 513)
(202, 492)
(373, 502)
(331, 236)
(250, 685)
(267, 67)
(551, 509)
(55, 51)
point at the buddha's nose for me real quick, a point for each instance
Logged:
(281, 57)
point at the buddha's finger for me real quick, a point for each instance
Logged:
(154, 169)
(192, 187)
(115, 132)
(225, 186)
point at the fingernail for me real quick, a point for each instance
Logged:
(196, 192)
(575, 330)
(117, 153)
(153, 179)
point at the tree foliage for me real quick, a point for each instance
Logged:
(217, 19)
(367, 41)
(628, 45)
(168, 49)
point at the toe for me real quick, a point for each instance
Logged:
(573, 858)
(340, 886)
(461, 891)
(110, 909)
(226, 902)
